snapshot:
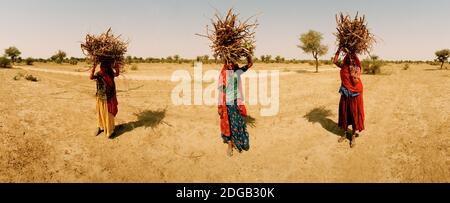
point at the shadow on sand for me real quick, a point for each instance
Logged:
(148, 118)
(320, 115)
(301, 71)
(435, 69)
(250, 121)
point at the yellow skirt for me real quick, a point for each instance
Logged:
(105, 119)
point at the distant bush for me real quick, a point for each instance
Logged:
(372, 66)
(29, 61)
(406, 66)
(326, 62)
(59, 57)
(294, 61)
(134, 67)
(204, 59)
(279, 59)
(266, 58)
(5, 62)
(433, 63)
(73, 62)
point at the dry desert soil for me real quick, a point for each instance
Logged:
(46, 129)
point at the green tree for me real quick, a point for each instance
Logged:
(278, 59)
(176, 58)
(215, 59)
(205, 59)
(268, 58)
(169, 59)
(442, 56)
(311, 43)
(128, 59)
(13, 53)
(59, 56)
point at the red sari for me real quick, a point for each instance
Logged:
(351, 109)
(110, 87)
(222, 106)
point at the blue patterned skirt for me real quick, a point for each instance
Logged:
(238, 128)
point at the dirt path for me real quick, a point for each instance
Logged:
(46, 132)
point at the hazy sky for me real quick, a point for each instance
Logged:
(406, 29)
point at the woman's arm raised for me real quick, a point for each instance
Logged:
(249, 64)
(336, 57)
(117, 67)
(93, 71)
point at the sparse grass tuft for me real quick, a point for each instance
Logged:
(406, 66)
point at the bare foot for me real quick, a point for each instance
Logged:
(230, 152)
(230, 149)
(353, 142)
(342, 139)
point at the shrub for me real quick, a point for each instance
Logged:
(134, 67)
(73, 62)
(59, 57)
(406, 66)
(433, 63)
(31, 78)
(29, 61)
(18, 76)
(28, 77)
(326, 62)
(372, 66)
(5, 62)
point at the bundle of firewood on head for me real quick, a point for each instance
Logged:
(105, 48)
(353, 36)
(231, 39)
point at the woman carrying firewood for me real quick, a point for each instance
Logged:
(106, 100)
(232, 40)
(108, 51)
(353, 37)
(351, 104)
(231, 108)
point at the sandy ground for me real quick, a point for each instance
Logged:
(46, 130)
